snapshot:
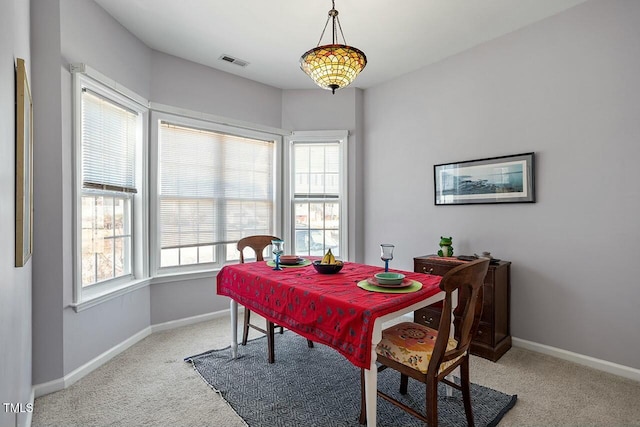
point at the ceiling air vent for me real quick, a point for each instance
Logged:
(233, 60)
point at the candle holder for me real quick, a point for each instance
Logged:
(278, 249)
(386, 254)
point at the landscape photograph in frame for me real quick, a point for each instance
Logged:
(505, 179)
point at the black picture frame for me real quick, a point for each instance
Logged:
(504, 179)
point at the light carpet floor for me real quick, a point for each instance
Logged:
(150, 385)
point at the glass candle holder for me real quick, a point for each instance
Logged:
(278, 249)
(386, 254)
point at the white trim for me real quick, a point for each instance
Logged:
(185, 275)
(29, 415)
(172, 324)
(92, 365)
(84, 76)
(108, 294)
(167, 274)
(79, 68)
(592, 362)
(320, 136)
(177, 111)
(69, 379)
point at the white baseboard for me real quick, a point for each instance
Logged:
(592, 362)
(72, 377)
(75, 375)
(189, 321)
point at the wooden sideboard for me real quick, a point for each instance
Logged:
(493, 337)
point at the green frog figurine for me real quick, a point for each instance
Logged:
(446, 250)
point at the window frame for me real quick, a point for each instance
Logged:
(85, 297)
(164, 274)
(321, 137)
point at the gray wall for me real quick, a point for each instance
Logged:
(188, 85)
(63, 32)
(319, 110)
(68, 31)
(15, 283)
(566, 88)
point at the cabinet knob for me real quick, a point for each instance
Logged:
(430, 271)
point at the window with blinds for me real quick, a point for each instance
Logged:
(316, 197)
(109, 135)
(213, 189)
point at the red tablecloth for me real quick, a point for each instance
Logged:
(325, 308)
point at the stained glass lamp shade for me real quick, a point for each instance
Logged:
(333, 66)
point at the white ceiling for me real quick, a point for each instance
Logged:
(397, 36)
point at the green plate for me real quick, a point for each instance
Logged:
(414, 287)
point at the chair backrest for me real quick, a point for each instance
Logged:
(257, 243)
(467, 279)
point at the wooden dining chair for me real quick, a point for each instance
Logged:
(428, 355)
(258, 243)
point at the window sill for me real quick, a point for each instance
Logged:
(93, 298)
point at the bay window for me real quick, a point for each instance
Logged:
(215, 185)
(109, 187)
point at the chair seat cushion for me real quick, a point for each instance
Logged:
(411, 344)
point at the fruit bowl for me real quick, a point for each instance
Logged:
(389, 278)
(327, 268)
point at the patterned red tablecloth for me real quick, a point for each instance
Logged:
(325, 308)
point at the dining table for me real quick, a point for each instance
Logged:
(344, 311)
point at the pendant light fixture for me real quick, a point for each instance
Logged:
(333, 66)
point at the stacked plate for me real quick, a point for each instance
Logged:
(389, 280)
(290, 259)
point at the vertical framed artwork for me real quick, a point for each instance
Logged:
(24, 166)
(505, 179)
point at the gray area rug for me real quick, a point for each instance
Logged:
(319, 387)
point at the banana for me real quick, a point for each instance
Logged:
(328, 258)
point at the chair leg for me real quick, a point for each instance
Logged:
(309, 343)
(432, 402)
(466, 390)
(404, 383)
(245, 329)
(363, 402)
(270, 345)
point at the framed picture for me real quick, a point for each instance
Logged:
(24, 166)
(506, 179)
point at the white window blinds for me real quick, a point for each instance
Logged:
(214, 188)
(108, 144)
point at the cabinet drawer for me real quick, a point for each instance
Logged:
(427, 316)
(484, 333)
(429, 268)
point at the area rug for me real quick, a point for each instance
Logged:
(319, 387)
